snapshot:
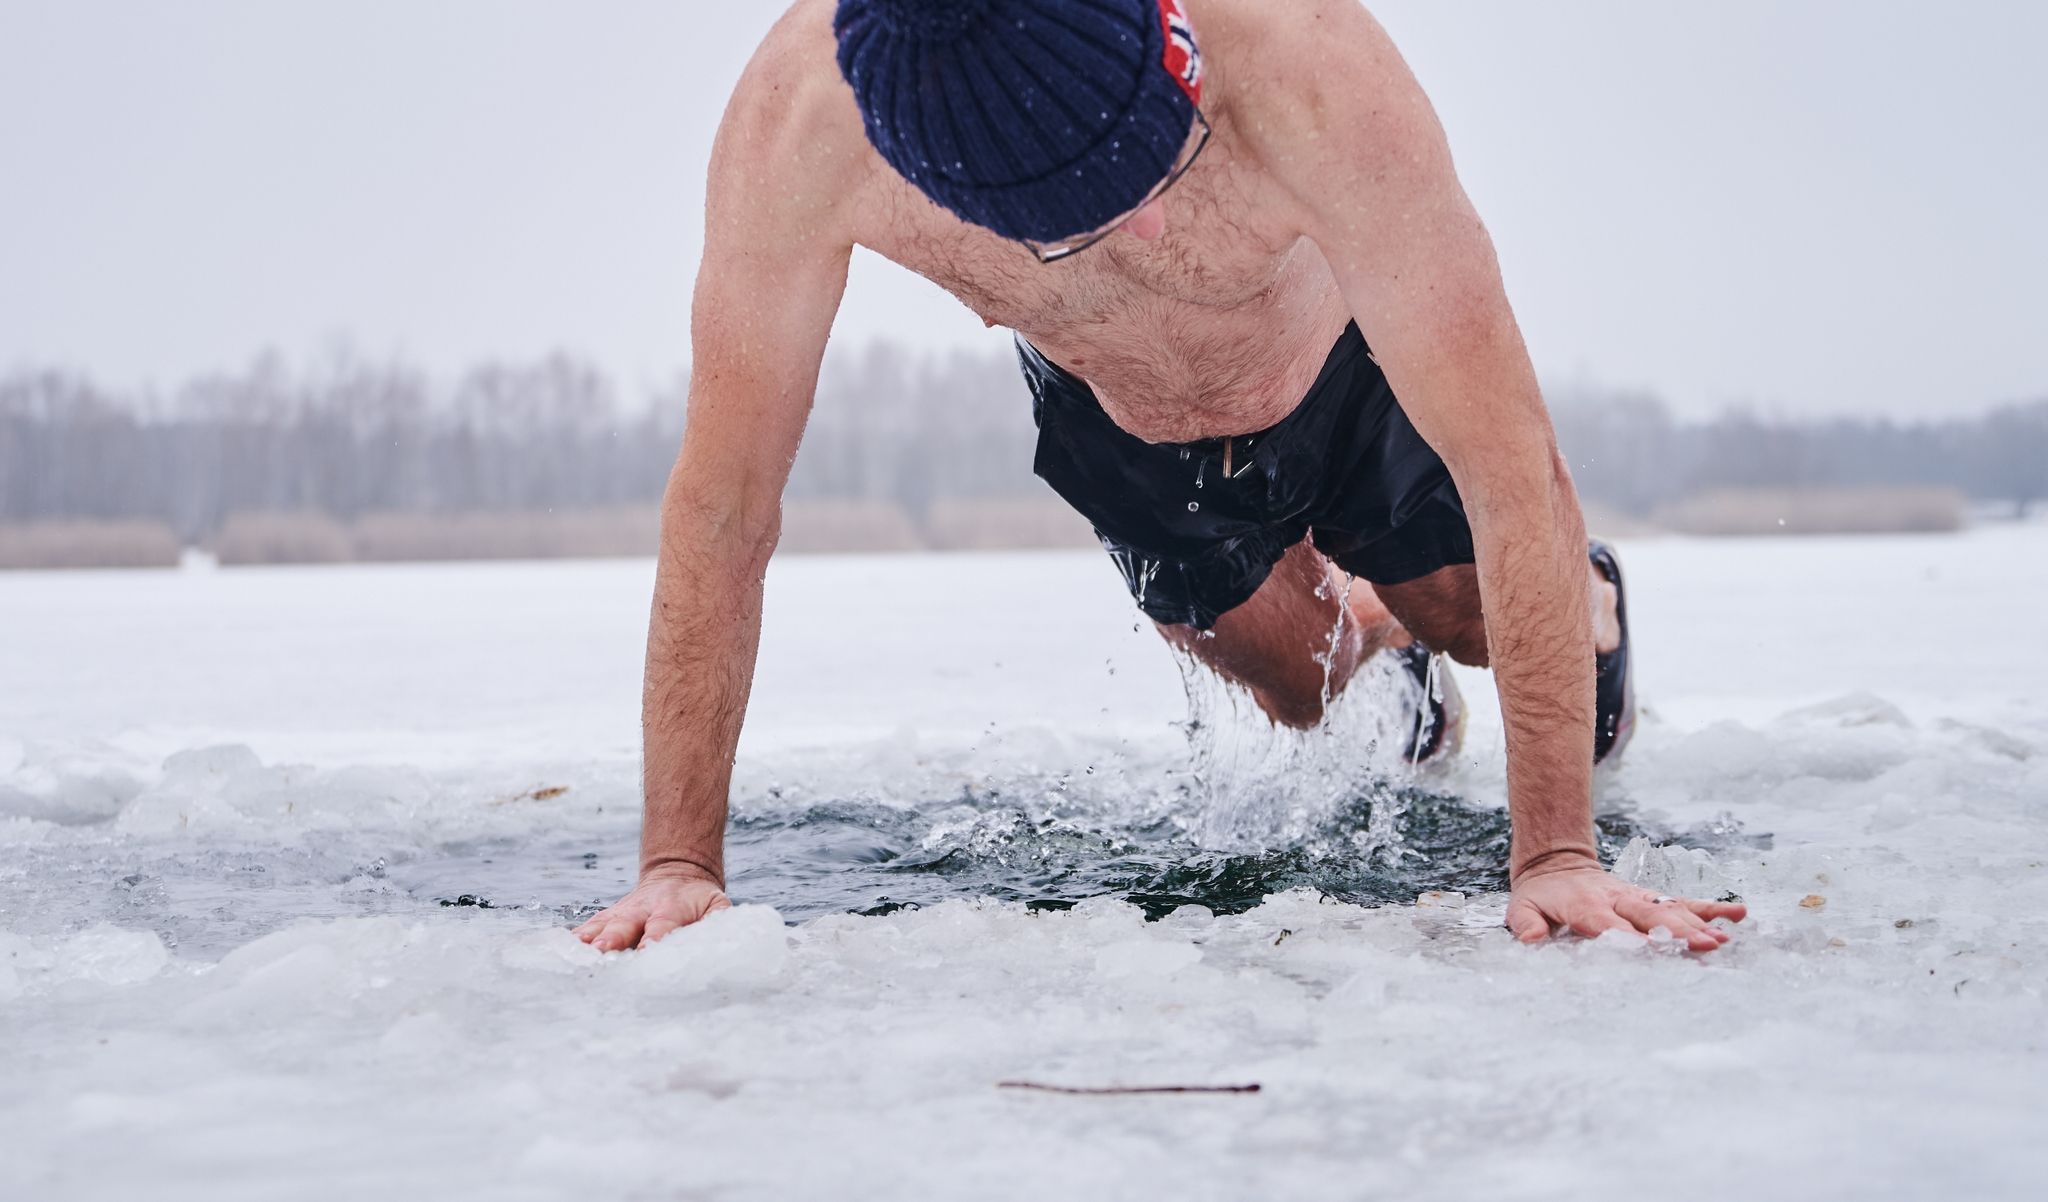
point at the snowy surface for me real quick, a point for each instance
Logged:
(233, 805)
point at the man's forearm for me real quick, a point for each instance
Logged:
(1531, 542)
(702, 638)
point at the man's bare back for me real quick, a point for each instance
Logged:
(1324, 197)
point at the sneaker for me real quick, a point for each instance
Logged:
(1614, 690)
(1439, 727)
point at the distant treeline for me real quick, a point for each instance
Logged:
(353, 437)
(348, 438)
(1630, 454)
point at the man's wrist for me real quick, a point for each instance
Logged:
(1557, 859)
(682, 867)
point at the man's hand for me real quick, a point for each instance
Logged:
(1589, 900)
(787, 182)
(660, 903)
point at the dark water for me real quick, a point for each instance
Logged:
(874, 859)
(854, 858)
(1383, 846)
(871, 860)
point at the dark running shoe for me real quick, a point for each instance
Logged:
(1614, 690)
(1439, 724)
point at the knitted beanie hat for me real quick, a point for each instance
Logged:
(1037, 119)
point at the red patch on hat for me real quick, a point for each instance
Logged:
(1183, 56)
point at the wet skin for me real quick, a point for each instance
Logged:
(1326, 195)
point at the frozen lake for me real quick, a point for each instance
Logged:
(287, 858)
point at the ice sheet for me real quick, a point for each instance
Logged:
(240, 814)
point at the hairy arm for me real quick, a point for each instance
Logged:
(1346, 129)
(1358, 146)
(776, 248)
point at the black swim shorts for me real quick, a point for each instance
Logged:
(1345, 468)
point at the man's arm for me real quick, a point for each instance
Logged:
(1350, 135)
(776, 247)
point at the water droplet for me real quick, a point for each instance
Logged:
(1194, 507)
(1145, 576)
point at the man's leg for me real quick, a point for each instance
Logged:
(1442, 610)
(1275, 644)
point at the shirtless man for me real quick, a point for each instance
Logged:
(1193, 239)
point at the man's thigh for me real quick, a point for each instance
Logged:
(1287, 642)
(1442, 610)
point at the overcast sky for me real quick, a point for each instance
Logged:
(1807, 205)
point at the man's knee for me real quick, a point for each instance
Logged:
(1285, 679)
(1291, 707)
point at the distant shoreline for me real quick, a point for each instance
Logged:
(852, 526)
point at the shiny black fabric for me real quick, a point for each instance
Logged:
(1345, 468)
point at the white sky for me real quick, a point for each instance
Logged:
(1810, 205)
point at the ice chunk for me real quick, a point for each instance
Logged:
(1150, 959)
(1616, 942)
(553, 950)
(71, 787)
(742, 948)
(109, 955)
(14, 954)
(1366, 990)
(102, 954)
(1998, 742)
(1104, 919)
(1678, 871)
(193, 790)
(212, 764)
(1851, 710)
(420, 1035)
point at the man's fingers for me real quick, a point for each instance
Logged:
(620, 933)
(1646, 913)
(718, 902)
(1696, 936)
(589, 930)
(656, 928)
(1709, 911)
(1527, 922)
(1674, 916)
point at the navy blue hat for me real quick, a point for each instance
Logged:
(1038, 119)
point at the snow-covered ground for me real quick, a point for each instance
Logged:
(244, 817)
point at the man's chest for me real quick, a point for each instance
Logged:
(1227, 244)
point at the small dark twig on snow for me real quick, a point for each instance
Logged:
(1125, 1089)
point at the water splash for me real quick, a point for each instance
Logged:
(1255, 783)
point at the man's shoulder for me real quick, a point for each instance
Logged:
(1283, 52)
(799, 50)
(790, 106)
(1301, 78)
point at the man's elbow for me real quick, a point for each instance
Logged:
(737, 523)
(1507, 493)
